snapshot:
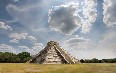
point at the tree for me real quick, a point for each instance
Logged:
(8, 57)
(94, 60)
(82, 61)
(24, 56)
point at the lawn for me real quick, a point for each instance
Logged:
(64, 68)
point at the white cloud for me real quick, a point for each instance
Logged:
(77, 42)
(14, 41)
(109, 12)
(31, 38)
(106, 48)
(18, 36)
(64, 18)
(6, 48)
(37, 45)
(4, 26)
(90, 14)
(108, 40)
(30, 15)
(36, 48)
(23, 47)
(80, 47)
(107, 44)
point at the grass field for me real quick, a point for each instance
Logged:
(76, 68)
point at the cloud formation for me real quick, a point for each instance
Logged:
(6, 48)
(31, 38)
(18, 36)
(77, 42)
(4, 26)
(90, 14)
(37, 47)
(109, 12)
(23, 47)
(108, 40)
(89, 49)
(34, 49)
(106, 46)
(29, 16)
(64, 18)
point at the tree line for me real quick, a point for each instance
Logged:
(8, 57)
(94, 60)
(23, 57)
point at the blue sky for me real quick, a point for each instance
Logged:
(85, 28)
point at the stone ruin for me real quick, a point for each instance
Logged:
(53, 54)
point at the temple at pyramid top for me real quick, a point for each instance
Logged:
(53, 54)
(52, 43)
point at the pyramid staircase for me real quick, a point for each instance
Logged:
(53, 54)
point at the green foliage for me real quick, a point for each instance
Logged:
(24, 56)
(82, 61)
(8, 57)
(94, 60)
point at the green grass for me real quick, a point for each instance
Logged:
(64, 68)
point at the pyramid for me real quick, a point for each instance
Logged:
(53, 54)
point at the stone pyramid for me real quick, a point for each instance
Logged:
(53, 54)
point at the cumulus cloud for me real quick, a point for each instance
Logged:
(34, 49)
(18, 36)
(106, 46)
(37, 47)
(77, 42)
(78, 46)
(90, 14)
(64, 18)
(30, 15)
(87, 48)
(14, 41)
(108, 40)
(6, 48)
(4, 26)
(31, 38)
(23, 47)
(109, 12)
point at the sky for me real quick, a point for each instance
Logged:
(84, 28)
